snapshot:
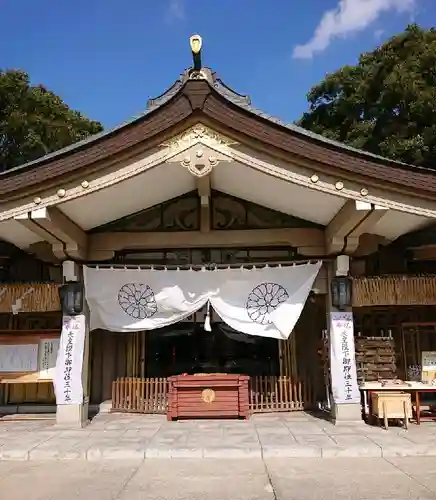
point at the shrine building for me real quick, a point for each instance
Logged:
(206, 236)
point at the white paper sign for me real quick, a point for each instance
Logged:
(68, 373)
(428, 360)
(48, 351)
(342, 358)
(18, 358)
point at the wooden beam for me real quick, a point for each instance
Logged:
(203, 187)
(369, 244)
(427, 252)
(346, 227)
(43, 251)
(103, 243)
(204, 190)
(26, 221)
(68, 240)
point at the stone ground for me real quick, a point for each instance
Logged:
(400, 478)
(139, 437)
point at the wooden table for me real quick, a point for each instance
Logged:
(414, 388)
(208, 395)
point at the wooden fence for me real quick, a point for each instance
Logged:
(266, 394)
(271, 394)
(140, 395)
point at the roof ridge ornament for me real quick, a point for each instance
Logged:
(196, 43)
(196, 72)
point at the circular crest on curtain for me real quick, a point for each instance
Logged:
(137, 300)
(263, 300)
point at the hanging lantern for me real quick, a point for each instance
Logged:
(71, 297)
(341, 289)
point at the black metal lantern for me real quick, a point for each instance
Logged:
(71, 297)
(341, 288)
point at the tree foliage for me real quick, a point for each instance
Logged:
(34, 121)
(386, 104)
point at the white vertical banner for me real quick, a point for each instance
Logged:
(68, 373)
(342, 358)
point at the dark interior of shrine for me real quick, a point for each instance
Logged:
(189, 348)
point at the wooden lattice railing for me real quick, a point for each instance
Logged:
(266, 394)
(140, 395)
(271, 394)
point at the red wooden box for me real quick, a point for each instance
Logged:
(208, 395)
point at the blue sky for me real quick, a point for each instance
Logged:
(105, 58)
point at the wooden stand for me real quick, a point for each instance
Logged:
(208, 395)
(392, 405)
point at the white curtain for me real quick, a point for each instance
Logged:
(125, 300)
(265, 302)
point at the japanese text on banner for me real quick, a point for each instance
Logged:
(68, 375)
(343, 362)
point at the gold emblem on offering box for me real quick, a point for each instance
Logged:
(208, 396)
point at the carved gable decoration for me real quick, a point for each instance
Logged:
(229, 213)
(198, 134)
(183, 214)
(199, 149)
(178, 214)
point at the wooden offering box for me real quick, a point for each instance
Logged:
(208, 395)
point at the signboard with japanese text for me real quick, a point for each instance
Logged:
(68, 373)
(428, 363)
(47, 354)
(342, 359)
(18, 358)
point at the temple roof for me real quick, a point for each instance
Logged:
(204, 94)
(228, 93)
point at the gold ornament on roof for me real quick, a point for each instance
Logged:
(195, 42)
(196, 72)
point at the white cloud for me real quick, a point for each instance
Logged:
(176, 10)
(350, 16)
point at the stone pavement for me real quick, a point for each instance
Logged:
(137, 437)
(400, 478)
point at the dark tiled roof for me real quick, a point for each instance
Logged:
(152, 105)
(228, 93)
(191, 94)
(245, 103)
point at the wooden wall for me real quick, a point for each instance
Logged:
(34, 393)
(108, 361)
(28, 393)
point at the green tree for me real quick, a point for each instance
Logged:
(34, 121)
(386, 104)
